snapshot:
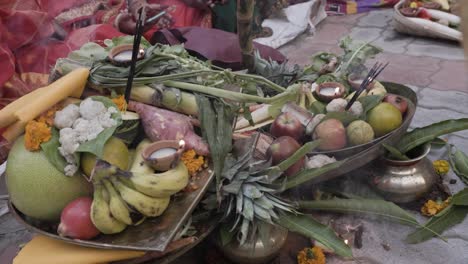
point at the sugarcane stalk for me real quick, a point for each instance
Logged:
(181, 102)
(235, 96)
(245, 11)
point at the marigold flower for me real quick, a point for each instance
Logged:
(441, 167)
(431, 207)
(312, 255)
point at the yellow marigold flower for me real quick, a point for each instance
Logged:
(120, 102)
(311, 256)
(192, 161)
(441, 167)
(431, 207)
(414, 5)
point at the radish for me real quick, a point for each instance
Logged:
(75, 220)
(438, 15)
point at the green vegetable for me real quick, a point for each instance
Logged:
(129, 128)
(459, 164)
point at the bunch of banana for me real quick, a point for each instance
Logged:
(123, 198)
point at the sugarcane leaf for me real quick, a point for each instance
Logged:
(453, 215)
(379, 208)
(395, 153)
(426, 134)
(248, 210)
(310, 174)
(438, 143)
(249, 190)
(299, 154)
(307, 226)
(460, 198)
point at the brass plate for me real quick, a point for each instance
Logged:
(154, 234)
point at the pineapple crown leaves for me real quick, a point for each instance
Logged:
(249, 191)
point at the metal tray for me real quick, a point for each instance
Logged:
(359, 156)
(154, 234)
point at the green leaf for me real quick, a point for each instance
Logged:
(300, 153)
(225, 235)
(344, 117)
(395, 153)
(460, 198)
(52, 153)
(122, 40)
(89, 52)
(310, 174)
(318, 107)
(453, 215)
(355, 55)
(327, 78)
(438, 143)
(375, 207)
(369, 102)
(248, 115)
(459, 163)
(426, 134)
(96, 146)
(307, 226)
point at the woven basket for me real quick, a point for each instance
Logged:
(422, 27)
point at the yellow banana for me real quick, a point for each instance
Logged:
(117, 206)
(161, 185)
(148, 206)
(101, 215)
(139, 164)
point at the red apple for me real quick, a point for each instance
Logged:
(287, 125)
(397, 101)
(332, 133)
(281, 149)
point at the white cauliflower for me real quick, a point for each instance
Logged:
(89, 109)
(318, 161)
(339, 105)
(66, 116)
(81, 124)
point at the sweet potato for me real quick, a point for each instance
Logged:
(161, 124)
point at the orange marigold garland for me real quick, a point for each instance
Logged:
(312, 255)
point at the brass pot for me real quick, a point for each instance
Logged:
(404, 181)
(254, 251)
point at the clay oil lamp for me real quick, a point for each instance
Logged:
(163, 155)
(122, 55)
(355, 81)
(328, 91)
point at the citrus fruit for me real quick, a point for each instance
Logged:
(36, 187)
(359, 132)
(384, 118)
(115, 152)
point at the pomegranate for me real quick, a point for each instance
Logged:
(75, 220)
(397, 101)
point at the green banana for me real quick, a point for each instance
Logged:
(101, 215)
(117, 206)
(148, 206)
(161, 184)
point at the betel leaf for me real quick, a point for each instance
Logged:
(451, 216)
(318, 107)
(426, 134)
(307, 226)
(310, 174)
(374, 207)
(52, 153)
(96, 146)
(89, 52)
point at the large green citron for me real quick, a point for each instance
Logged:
(36, 187)
(384, 118)
(115, 152)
